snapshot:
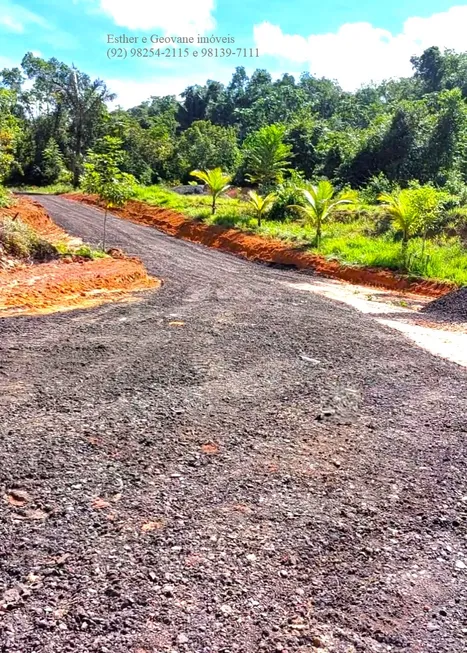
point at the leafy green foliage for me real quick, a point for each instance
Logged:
(54, 169)
(216, 180)
(320, 204)
(260, 205)
(86, 251)
(412, 210)
(266, 155)
(5, 197)
(287, 194)
(376, 186)
(9, 132)
(104, 178)
(206, 146)
(72, 97)
(402, 130)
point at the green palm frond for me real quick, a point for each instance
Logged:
(216, 180)
(260, 204)
(319, 204)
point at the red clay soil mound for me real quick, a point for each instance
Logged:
(66, 283)
(70, 284)
(266, 250)
(35, 216)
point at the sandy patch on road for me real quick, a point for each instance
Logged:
(400, 311)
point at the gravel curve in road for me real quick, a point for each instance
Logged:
(226, 465)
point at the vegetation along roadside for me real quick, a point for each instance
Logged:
(372, 178)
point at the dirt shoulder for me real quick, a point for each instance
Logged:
(256, 248)
(65, 282)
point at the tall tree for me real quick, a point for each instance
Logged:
(84, 100)
(267, 156)
(207, 146)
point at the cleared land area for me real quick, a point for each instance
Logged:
(229, 464)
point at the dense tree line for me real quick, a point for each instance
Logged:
(415, 128)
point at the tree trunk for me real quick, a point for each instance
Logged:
(213, 205)
(75, 175)
(259, 220)
(76, 170)
(318, 234)
(405, 244)
(105, 227)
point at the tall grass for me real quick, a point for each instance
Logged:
(52, 189)
(351, 240)
(20, 240)
(192, 205)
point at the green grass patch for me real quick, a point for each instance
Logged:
(356, 241)
(53, 189)
(18, 239)
(194, 206)
(85, 251)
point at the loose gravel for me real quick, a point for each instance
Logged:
(227, 465)
(452, 306)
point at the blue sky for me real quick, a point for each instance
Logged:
(352, 42)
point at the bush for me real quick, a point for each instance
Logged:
(52, 163)
(288, 193)
(377, 185)
(18, 239)
(205, 146)
(5, 197)
(88, 252)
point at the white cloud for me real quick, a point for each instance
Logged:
(6, 62)
(359, 52)
(174, 17)
(131, 93)
(16, 18)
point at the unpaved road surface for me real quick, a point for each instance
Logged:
(227, 465)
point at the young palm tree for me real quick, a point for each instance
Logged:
(216, 180)
(404, 215)
(321, 203)
(267, 156)
(260, 205)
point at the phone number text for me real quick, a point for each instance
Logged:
(180, 53)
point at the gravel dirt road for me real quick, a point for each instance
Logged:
(226, 465)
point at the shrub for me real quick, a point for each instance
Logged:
(18, 239)
(288, 193)
(267, 157)
(88, 252)
(376, 186)
(5, 197)
(414, 211)
(53, 167)
(204, 146)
